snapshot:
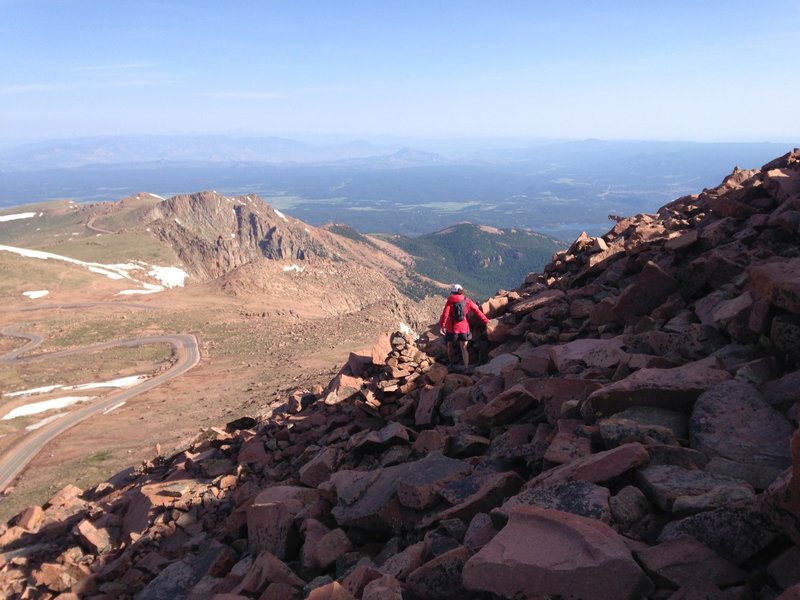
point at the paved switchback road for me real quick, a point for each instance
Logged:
(19, 455)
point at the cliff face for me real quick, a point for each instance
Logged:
(213, 234)
(630, 431)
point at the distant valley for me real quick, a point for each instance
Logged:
(556, 188)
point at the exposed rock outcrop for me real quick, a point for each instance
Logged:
(631, 432)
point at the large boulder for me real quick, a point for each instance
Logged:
(731, 420)
(573, 558)
(779, 283)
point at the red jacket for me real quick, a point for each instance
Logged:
(449, 324)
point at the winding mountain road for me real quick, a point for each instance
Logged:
(14, 460)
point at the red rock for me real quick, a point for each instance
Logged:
(553, 392)
(479, 492)
(779, 283)
(359, 578)
(252, 452)
(343, 387)
(440, 578)
(587, 352)
(383, 588)
(650, 289)
(280, 591)
(498, 365)
(505, 407)
(573, 558)
(374, 441)
(628, 507)
(535, 301)
(270, 519)
(596, 468)
(570, 442)
(319, 468)
(673, 389)
(735, 532)
(30, 518)
(494, 307)
(793, 593)
(681, 241)
(381, 349)
(669, 485)
(430, 440)
(646, 424)
(577, 497)
(312, 531)
(420, 488)
(785, 569)
(97, 541)
(480, 532)
(684, 561)
(330, 591)
(267, 569)
(732, 421)
(332, 546)
(406, 561)
(781, 501)
(429, 399)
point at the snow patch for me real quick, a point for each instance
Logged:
(44, 406)
(280, 214)
(407, 330)
(34, 391)
(36, 294)
(295, 268)
(122, 382)
(156, 196)
(26, 215)
(44, 422)
(168, 276)
(115, 407)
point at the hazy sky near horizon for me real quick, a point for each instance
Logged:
(709, 70)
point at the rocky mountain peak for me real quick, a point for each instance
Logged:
(630, 431)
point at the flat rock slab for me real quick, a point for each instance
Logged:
(684, 560)
(734, 532)
(573, 558)
(667, 484)
(505, 408)
(645, 424)
(673, 389)
(588, 352)
(731, 420)
(597, 468)
(779, 283)
(577, 497)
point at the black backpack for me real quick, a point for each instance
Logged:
(460, 310)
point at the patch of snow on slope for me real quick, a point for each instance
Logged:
(34, 391)
(280, 214)
(26, 215)
(168, 276)
(406, 329)
(44, 422)
(295, 268)
(122, 382)
(36, 294)
(45, 405)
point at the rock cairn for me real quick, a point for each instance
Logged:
(631, 433)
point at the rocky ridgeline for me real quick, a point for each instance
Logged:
(631, 432)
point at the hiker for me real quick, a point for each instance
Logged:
(454, 324)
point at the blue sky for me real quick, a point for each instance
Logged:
(707, 70)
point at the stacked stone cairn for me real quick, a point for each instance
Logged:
(632, 432)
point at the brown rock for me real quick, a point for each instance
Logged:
(30, 518)
(646, 424)
(383, 588)
(319, 468)
(420, 488)
(735, 532)
(651, 289)
(505, 407)
(570, 442)
(270, 519)
(381, 349)
(406, 561)
(535, 301)
(577, 497)
(732, 421)
(429, 398)
(596, 468)
(330, 591)
(97, 541)
(779, 283)
(440, 578)
(587, 352)
(359, 578)
(685, 561)
(267, 569)
(573, 558)
(672, 389)
(280, 591)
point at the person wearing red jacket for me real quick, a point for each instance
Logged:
(452, 329)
